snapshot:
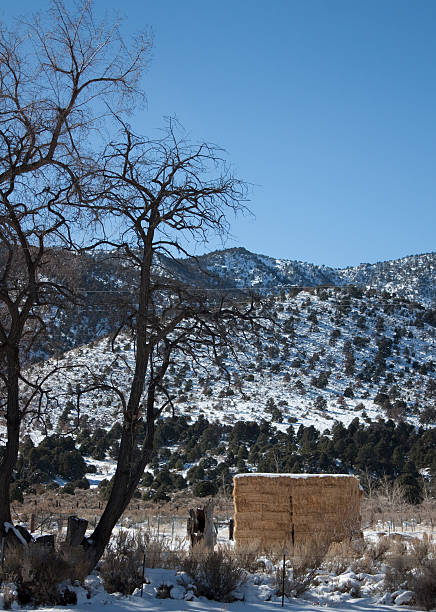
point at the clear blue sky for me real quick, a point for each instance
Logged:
(327, 107)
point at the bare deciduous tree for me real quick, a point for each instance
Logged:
(167, 194)
(151, 200)
(58, 75)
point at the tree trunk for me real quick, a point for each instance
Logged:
(125, 481)
(120, 496)
(129, 470)
(10, 455)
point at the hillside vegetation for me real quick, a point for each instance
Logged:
(338, 380)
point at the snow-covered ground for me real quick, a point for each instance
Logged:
(105, 470)
(341, 583)
(113, 603)
(334, 593)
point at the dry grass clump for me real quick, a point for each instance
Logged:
(423, 582)
(308, 557)
(38, 578)
(372, 554)
(215, 574)
(37, 572)
(159, 552)
(285, 585)
(399, 564)
(341, 555)
(376, 552)
(121, 566)
(413, 567)
(12, 565)
(422, 550)
(78, 562)
(293, 585)
(8, 597)
(247, 558)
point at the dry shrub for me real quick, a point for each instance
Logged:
(288, 586)
(373, 553)
(341, 555)
(122, 563)
(38, 570)
(121, 567)
(422, 550)
(295, 584)
(309, 555)
(78, 562)
(247, 558)
(413, 567)
(8, 598)
(42, 570)
(377, 552)
(423, 582)
(306, 560)
(13, 563)
(399, 564)
(160, 553)
(215, 574)
(274, 555)
(397, 573)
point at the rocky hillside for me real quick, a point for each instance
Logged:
(332, 354)
(357, 364)
(107, 286)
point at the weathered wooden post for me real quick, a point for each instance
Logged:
(200, 526)
(76, 530)
(283, 578)
(231, 528)
(209, 531)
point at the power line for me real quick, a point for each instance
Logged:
(251, 288)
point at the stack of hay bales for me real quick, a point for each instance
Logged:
(285, 511)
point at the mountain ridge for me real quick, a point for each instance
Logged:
(411, 276)
(107, 285)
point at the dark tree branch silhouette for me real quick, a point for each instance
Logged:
(150, 200)
(168, 195)
(58, 74)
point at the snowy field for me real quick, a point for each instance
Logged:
(338, 585)
(131, 604)
(320, 599)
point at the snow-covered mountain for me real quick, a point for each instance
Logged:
(411, 277)
(108, 285)
(351, 342)
(333, 354)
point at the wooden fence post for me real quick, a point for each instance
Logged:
(75, 530)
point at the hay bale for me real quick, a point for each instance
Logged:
(285, 510)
